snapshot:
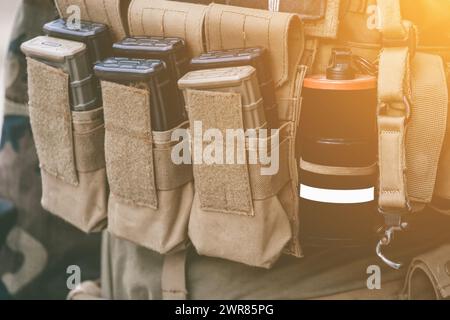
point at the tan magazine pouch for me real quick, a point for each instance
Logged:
(237, 212)
(282, 34)
(109, 12)
(150, 197)
(169, 19)
(70, 150)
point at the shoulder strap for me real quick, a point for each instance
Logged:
(394, 110)
(394, 94)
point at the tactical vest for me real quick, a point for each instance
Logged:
(111, 166)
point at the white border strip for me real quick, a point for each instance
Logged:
(337, 196)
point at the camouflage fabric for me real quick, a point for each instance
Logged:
(40, 247)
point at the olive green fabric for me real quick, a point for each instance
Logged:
(132, 272)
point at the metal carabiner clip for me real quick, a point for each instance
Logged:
(386, 241)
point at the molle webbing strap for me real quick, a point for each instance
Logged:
(392, 162)
(169, 19)
(427, 126)
(168, 175)
(229, 27)
(109, 12)
(88, 137)
(328, 26)
(393, 98)
(173, 279)
(309, 54)
(391, 22)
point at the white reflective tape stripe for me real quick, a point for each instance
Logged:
(337, 196)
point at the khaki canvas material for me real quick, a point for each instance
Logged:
(392, 162)
(235, 207)
(422, 141)
(70, 148)
(129, 145)
(221, 188)
(321, 17)
(51, 120)
(169, 19)
(228, 27)
(443, 177)
(109, 12)
(358, 30)
(307, 9)
(328, 26)
(427, 126)
(412, 92)
(394, 95)
(323, 273)
(150, 197)
(428, 276)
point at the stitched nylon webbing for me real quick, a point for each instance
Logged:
(393, 90)
(173, 281)
(391, 19)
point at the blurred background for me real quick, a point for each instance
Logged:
(8, 11)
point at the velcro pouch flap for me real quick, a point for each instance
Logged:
(229, 27)
(109, 12)
(169, 19)
(128, 144)
(307, 9)
(221, 187)
(51, 120)
(321, 16)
